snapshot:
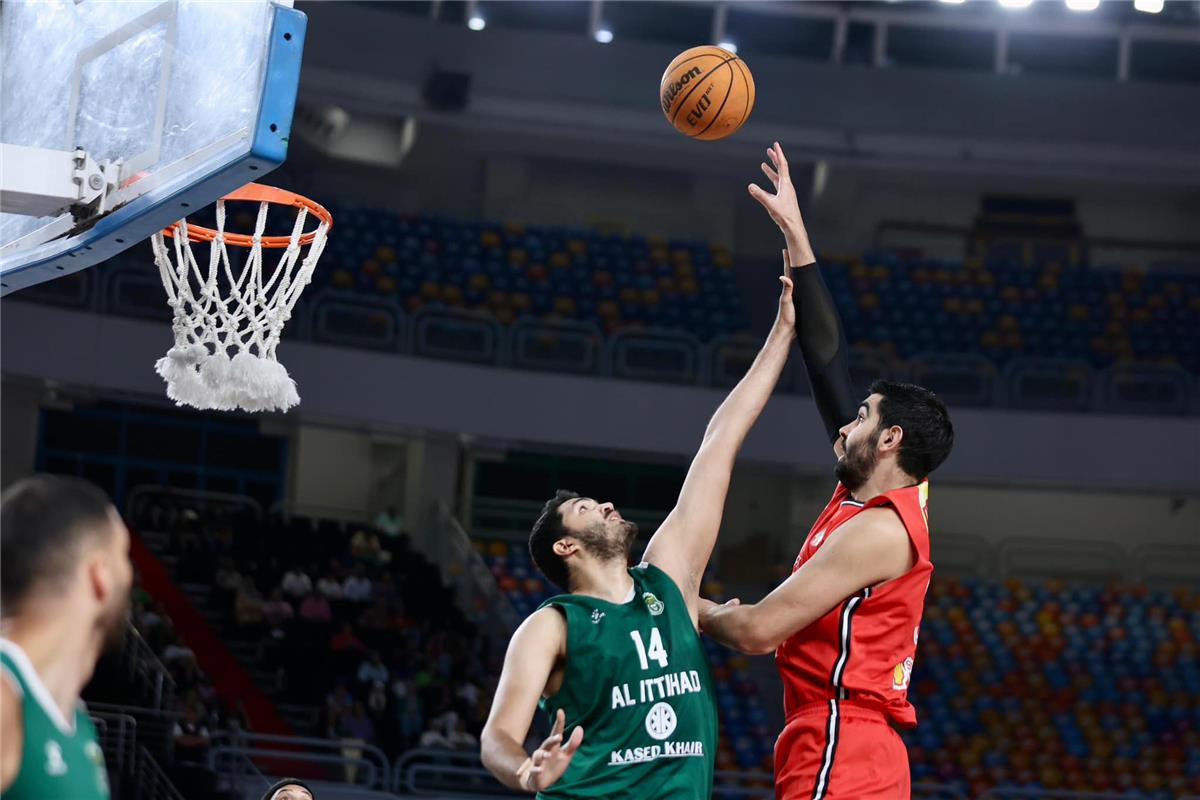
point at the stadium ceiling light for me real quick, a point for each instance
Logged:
(1083, 5)
(730, 46)
(952, 2)
(604, 35)
(1149, 6)
(475, 20)
(1016, 3)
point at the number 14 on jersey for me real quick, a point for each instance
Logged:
(655, 651)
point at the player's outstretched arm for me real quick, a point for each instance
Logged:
(536, 647)
(819, 330)
(683, 543)
(870, 548)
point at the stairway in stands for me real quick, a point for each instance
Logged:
(303, 719)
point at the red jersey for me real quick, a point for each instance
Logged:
(862, 650)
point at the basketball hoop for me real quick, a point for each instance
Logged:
(224, 353)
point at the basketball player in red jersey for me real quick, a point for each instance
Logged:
(844, 626)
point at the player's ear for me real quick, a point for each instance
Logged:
(565, 546)
(99, 576)
(890, 439)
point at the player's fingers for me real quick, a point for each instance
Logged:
(758, 194)
(551, 742)
(770, 173)
(787, 261)
(538, 757)
(574, 742)
(560, 722)
(781, 159)
(787, 291)
(736, 601)
(771, 154)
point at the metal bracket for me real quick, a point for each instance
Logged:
(40, 182)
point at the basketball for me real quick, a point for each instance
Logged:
(707, 93)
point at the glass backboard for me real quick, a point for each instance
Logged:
(187, 99)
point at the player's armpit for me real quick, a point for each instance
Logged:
(12, 734)
(536, 648)
(869, 549)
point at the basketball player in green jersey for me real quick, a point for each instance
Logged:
(620, 656)
(65, 578)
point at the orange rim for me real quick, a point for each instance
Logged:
(258, 193)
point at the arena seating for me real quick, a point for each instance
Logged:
(232, 566)
(1016, 327)
(1064, 687)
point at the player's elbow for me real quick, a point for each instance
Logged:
(757, 645)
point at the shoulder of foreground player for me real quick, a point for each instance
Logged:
(874, 540)
(12, 733)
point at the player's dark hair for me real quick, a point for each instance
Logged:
(548, 529)
(43, 521)
(928, 434)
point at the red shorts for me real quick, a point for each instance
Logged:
(835, 750)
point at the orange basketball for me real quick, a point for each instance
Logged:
(707, 92)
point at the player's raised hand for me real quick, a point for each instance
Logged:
(547, 764)
(783, 206)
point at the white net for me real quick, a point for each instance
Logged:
(227, 320)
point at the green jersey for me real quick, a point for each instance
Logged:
(60, 760)
(637, 680)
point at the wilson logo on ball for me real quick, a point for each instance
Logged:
(672, 91)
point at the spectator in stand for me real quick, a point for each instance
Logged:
(391, 523)
(315, 609)
(373, 670)
(346, 641)
(364, 545)
(356, 730)
(191, 736)
(409, 719)
(347, 650)
(357, 588)
(296, 583)
(277, 611)
(228, 579)
(337, 703)
(248, 608)
(192, 743)
(330, 586)
(448, 731)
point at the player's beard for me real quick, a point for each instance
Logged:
(854, 469)
(598, 542)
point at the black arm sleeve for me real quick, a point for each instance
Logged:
(823, 345)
